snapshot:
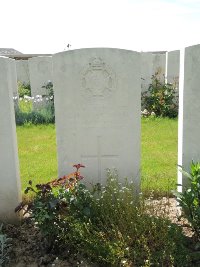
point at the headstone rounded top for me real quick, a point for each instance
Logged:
(95, 49)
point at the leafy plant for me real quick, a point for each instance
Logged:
(160, 98)
(189, 199)
(50, 94)
(43, 113)
(110, 225)
(50, 207)
(24, 89)
(5, 244)
(125, 232)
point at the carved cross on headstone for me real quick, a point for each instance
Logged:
(99, 156)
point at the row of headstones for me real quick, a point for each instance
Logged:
(38, 70)
(166, 66)
(97, 105)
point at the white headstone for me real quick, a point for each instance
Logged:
(173, 66)
(97, 105)
(159, 65)
(10, 189)
(13, 77)
(146, 70)
(22, 71)
(189, 110)
(40, 69)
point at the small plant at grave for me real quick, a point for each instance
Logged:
(109, 225)
(49, 88)
(24, 89)
(50, 94)
(5, 244)
(161, 98)
(53, 203)
(123, 231)
(189, 199)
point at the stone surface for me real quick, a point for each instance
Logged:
(10, 189)
(189, 109)
(97, 104)
(22, 71)
(40, 69)
(173, 67)
(159, 65)
(13, 77)
(146, 70)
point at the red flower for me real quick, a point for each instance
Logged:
(78, 166)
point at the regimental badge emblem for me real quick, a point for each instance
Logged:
(98, 80)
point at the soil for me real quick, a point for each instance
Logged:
(28, 246)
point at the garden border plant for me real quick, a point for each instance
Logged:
(108, 225)
(189, 199)
(43, 112)
(160, 99)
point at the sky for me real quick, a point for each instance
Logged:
(48, 26)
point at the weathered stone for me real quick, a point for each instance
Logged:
(159, 65)
(189, 110)
(10, 189)
(97, 104)
(146, 70)
(40, 69)
(173, 67)
(23, 71)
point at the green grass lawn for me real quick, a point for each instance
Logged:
(159, 154)
(38, 158)
(37, 153)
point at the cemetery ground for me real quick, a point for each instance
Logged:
(38, 162)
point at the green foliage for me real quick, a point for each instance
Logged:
(110, 225)
(189, 199)
(49, 207)
(24, 89)
(123, 230)
(160, 98)
(5, 244)
(34, 110)
(42, 113)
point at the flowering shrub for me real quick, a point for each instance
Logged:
(109, 225)
(160, 98)
(36, 110)
(43, 111)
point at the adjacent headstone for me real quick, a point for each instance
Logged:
(10, 189)
(97, 105)
(13, 78)
(22, 71)
(173, 67)
(189, 110)
(40, 69)
(159, 65)
(146, 70)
